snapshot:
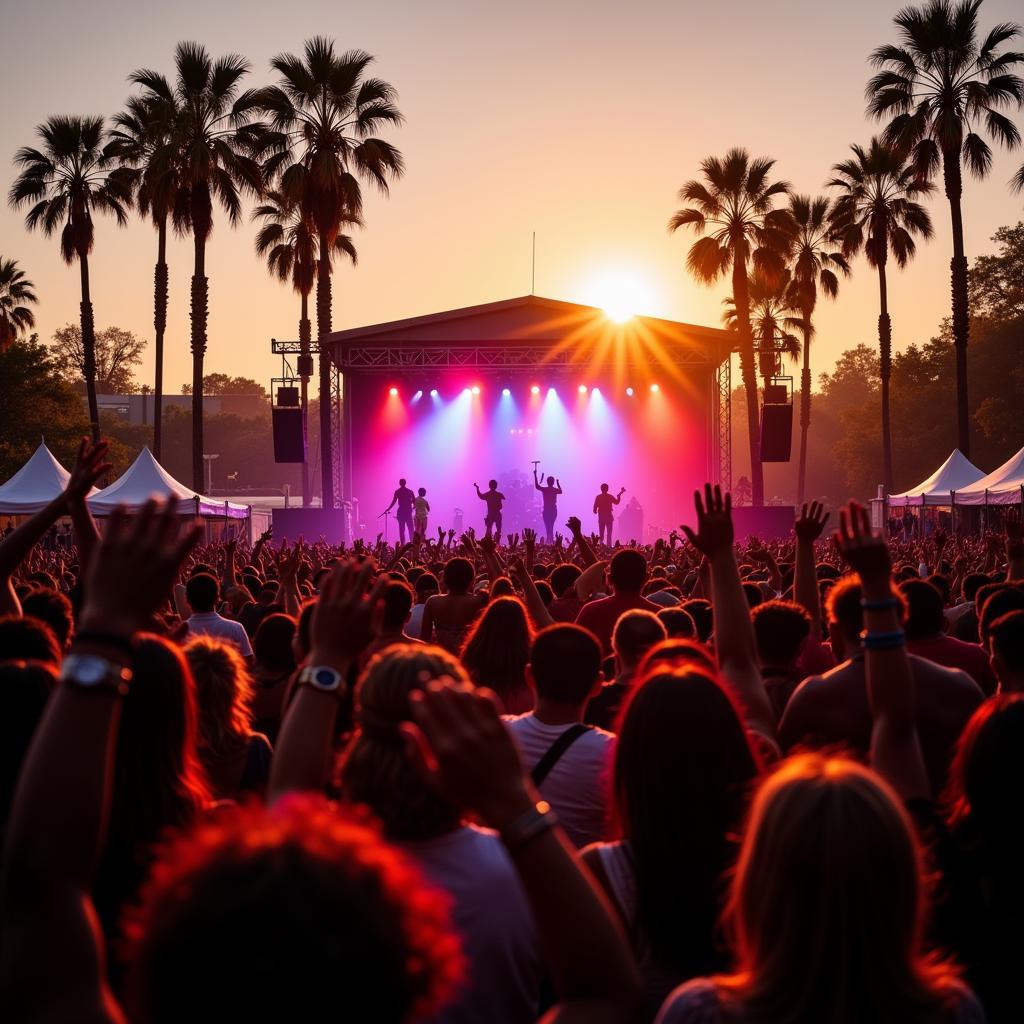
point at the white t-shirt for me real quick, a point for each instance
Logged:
(212, 624)
(491, 913)
(578, 786)
(414, 627)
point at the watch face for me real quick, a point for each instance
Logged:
(325, 678)
(87, 671)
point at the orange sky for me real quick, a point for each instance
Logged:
(575, 119)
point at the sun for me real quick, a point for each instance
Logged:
(621, 292)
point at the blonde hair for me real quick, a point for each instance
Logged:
(223, 690)
(827, 902)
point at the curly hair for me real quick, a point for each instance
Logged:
(223, 690)
(276, 913)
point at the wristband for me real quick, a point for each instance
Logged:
(883, 604)
(882, 641)
(528, 826)
(100, 639)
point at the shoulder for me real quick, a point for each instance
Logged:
(953, 679)
(696, 1002)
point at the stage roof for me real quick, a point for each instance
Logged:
(530, 330)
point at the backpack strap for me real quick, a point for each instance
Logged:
(543, 767)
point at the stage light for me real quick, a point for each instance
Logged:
(392, 392)
(417, 396)
(530, 430)
(520, 430)
(535, 390)
(466, 391)
(629, 391)
(582, 389)
(655, 389)
(552, 391)
(505, 392)
(476, 390)
(595, 391)
(512, 430)
(433, 392)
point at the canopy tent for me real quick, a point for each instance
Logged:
(146, 478)
(955, 473)
(35, 485)
(1003, 486)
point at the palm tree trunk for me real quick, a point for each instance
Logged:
(199, 313)
(89, 348)
(958, 282)
(805, 407)
(323, 329)
(748, 369)
(305, 333)
(160, 326)
(885, 372)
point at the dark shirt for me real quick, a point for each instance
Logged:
(404, 498)
(494, 501)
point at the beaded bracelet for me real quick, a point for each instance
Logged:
(882, 641)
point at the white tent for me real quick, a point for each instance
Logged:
(146, 478)
(955, 473)
(34, 486)
(1003, 486)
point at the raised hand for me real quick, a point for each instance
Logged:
(810, 522)
(864, 549)
(573, 525)
(346, 618)
(88, 468)
(714, 533)
(132, 569)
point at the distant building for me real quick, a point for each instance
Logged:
(138, 409)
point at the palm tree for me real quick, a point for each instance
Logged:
(771, 318)
(733, 210)
(208, 149)
(72, 176)
(877, 211)
(139, 139)
(815, 258)
(288, 240)
(940, 89)
(16, 291)
(320, 143)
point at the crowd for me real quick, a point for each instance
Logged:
(461, 780)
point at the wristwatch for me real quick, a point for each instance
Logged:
(89, 672)
(323, 678)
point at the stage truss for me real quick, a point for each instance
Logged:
(393, 359)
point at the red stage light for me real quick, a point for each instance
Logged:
(393, 392)
(535, 390)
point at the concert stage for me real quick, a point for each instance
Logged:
(467, 395)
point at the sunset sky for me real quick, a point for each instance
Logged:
(578, 120)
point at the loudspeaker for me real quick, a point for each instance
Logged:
(289, 437)
(287, 396)
(775, 394)
(776, 432)
(304, 366)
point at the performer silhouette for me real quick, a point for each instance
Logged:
(495, 499)
(550, 494)
(421, 508)
(603, 504)
(404, 499)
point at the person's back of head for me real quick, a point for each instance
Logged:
(752, 592)
(942, 585)
(502, 587)
(994, 602)
(496, 650)
(682, 768)
(273, 643)
(223, 689)
(678, 623)
(458, 575)
(635, 633)
(376, 768)
(343, 918)
(699, 609)
(492, 484)
(675, 653)
(986, 787)
(844, 615)
(202, 591)
(628, 571)
(972, 583)
(397, 600)
(780, 629)
(563, 577)
(1006, 650)
(426, 585)
(24, 638)
(826, 904)
(53, 608)
(925, 616)
(565, 664)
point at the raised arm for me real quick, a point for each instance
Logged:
(468, 753)
(344, 621)
(895, 743)
(479, 493)
(618, 497)
(394, 502)
(808, 527)
(734, 633)
(575, 527)
(536, 480)
(52, 957)
(589, 580)
(534, 602)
